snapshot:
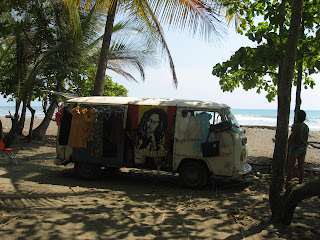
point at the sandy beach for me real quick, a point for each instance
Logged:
(39, 200)
(6, 125)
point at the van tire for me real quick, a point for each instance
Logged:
(193, 175)
(87, 170)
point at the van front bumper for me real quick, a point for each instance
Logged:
(238, 174)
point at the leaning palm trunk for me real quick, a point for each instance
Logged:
(40, 131)
(31, 121)
(103, 60)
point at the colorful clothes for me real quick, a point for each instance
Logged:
(59, 114)
(82, 126)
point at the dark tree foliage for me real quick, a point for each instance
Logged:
(287, 33)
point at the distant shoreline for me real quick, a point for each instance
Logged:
(268, 127)
(259, 126)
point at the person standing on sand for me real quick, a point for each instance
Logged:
(297, 144)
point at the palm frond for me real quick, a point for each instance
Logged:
(72, 6)
(121, 25)
(122, 73)
(144, 11)
(44, 56)
(234, 19)
(195, 16)
(127, 53)
(8, 43)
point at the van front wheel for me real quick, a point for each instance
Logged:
(87, 170)
(193, 175)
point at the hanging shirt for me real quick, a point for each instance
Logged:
(64, 130)
(182, 126)
(89, 117)
(193, 131)
(81, 127)
(98, 140)
(188, 127)
(204, 129)
(59, 114)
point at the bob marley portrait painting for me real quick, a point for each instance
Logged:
(152, 128)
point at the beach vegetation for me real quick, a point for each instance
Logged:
(287, 38)
(197, 17)
(40, 52)
(266, 24)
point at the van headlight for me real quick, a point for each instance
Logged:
(243, 155)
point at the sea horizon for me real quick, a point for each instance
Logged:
(245, 117)
(268, 117)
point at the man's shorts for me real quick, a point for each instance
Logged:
(299, 151)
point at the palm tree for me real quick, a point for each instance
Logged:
(194, 15)
(61, 57)
(16, 56)
(84, 51)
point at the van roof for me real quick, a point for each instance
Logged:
(97, 100)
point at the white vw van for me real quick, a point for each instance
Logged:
(196, 139)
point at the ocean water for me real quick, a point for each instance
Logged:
(268, 117)
(260, 117)
(6, 110)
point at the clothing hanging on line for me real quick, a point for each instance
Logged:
(82, 127)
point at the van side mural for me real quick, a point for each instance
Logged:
(151, 128)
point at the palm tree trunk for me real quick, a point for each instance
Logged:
(284, 99)
(31, 121)
(40, 131)
(102, 65)
(1, 130)
(298, 91)
(22, 117)
(12, 134)
(299, 77)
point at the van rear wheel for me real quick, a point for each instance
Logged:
(87, 170)
(193, 175)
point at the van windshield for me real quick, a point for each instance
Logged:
(231, 118)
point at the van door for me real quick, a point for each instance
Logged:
(191, 130)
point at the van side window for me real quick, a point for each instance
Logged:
(184, 113)
(216, 117)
